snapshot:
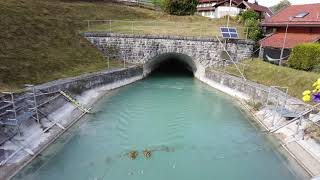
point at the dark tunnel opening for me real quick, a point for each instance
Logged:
(172, 66)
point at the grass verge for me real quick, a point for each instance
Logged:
(40, 39)
(272, 75)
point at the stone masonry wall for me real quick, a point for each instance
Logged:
(140, 49)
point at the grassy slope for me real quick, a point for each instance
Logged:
(40, 41)
(272, 75)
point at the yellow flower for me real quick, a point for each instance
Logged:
(306, 92)
(306, 98)
(315, 90)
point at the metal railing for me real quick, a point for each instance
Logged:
(206, 29)
(149, 4)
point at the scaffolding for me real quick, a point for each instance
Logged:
(276, 105)
(14, 112)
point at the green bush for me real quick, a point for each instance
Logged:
(250, 19)
(179, 7)
(316, 68)
(254, 30)
(305, 56)
(248, 15)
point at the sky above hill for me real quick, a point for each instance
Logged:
(269, 3)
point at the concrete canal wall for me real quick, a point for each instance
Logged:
(87, 89)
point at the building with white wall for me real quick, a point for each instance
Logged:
(221, 8)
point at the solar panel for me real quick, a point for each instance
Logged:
(229, 32)
(224, 30)
(226, 35)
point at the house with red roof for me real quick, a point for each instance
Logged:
(221, 8)
(292, 26)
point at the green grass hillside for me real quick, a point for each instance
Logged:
(272, 75)
(40, 41)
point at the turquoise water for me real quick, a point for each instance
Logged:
(194, 132)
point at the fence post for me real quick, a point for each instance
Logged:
(201, 27)
(110, 30)
(132, 27)
(247, 33)
(154, 28)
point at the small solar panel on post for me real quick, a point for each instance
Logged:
(229, 32)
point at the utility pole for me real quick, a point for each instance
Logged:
(284, 41)
(230, 1)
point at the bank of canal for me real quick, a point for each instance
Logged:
(194, 131)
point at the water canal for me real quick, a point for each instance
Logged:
(194, 132)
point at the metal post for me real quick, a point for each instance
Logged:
(132, 27)
(124, 60)
(110, 30)
(247, 33)
(229, 13)
(274, 115)
(13, 106)
(108, 62)
(35, 103)
(284, 42)
(154, 28)
(88, 25)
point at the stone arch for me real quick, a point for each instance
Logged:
(191, 64)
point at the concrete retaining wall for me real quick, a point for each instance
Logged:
(92, 80)
(251, 91)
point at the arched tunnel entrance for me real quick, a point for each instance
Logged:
(171, 63)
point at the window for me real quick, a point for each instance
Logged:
(301, 15)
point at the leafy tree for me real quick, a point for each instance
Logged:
(179, 7)
(283, 4)
(250, 14)
(254, 30)
(250, 19)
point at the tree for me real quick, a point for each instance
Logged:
(246, 15)
(250, 19)
(254, 30)
(283, 4)
(179, 7)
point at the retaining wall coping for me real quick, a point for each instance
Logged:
(104, 34)
(81, 77)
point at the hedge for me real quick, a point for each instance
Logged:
(305, 56)
(179, 7)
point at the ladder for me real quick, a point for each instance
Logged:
(75, 102)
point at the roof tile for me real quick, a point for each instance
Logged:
(276, 40)
(286, 16)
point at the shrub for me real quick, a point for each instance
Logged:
(316, 68)
(249, 14)
(305, 56)
(254, 30)
(179, 7)
(250, 19)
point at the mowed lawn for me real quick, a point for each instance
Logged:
(195, 27)
(272, 75)
(40, 39)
